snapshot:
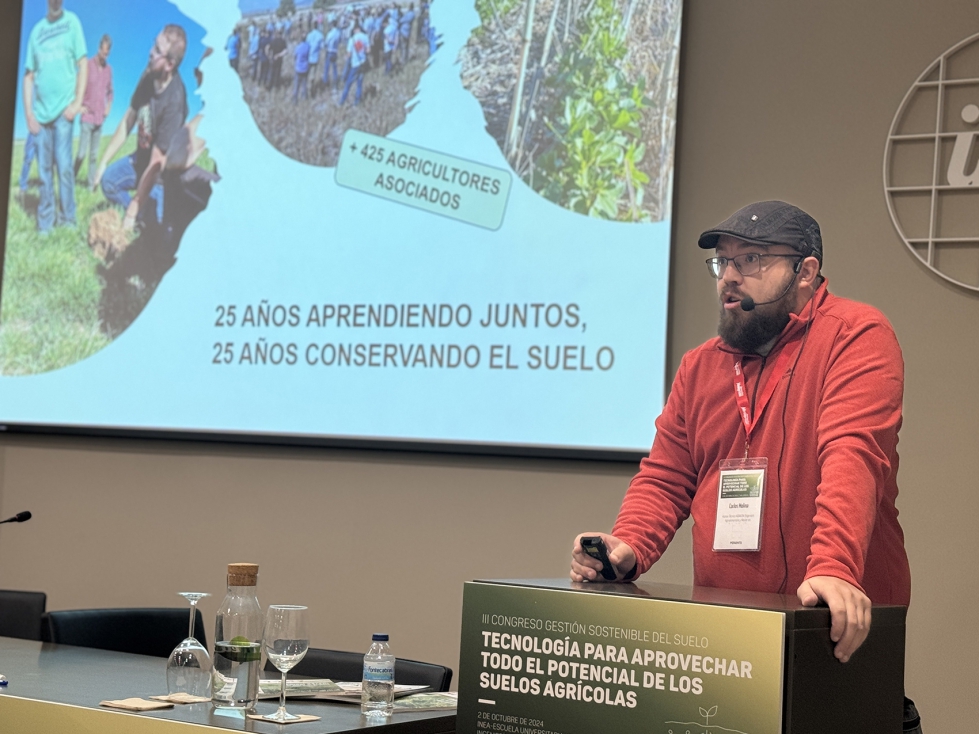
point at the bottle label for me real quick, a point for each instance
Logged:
(379, 671)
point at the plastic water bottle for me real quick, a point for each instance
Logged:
(377, 696)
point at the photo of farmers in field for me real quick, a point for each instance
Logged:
(311, 71)
(580, 95)
(107, 173)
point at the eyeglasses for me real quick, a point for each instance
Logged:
(747, 264)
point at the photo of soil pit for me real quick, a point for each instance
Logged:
(580, 95)
(309, 74)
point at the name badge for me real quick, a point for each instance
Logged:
(740, 497)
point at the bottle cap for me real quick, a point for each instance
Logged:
(242, 574)
(379, 637)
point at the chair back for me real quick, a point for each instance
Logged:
(349, 666)
(414, 673)
(143, 631)
(21, 612)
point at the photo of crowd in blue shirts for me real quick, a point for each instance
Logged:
(311, 73)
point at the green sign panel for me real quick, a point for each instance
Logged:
(425, 179)
(544, 661)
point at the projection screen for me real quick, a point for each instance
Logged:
(415, 223)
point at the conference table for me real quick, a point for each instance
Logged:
(57, 688)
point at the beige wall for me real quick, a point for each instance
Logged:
(370, 541)
(780, 99)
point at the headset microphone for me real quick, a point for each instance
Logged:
(748, 303)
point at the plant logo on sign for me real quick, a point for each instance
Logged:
(703, 728)
(931, 166)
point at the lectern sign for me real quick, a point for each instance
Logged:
(548, 661)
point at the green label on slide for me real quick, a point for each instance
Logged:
(421, 178)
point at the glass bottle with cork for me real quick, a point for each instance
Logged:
(238, 641)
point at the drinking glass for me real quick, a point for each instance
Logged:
(189, 666)
(286, 642)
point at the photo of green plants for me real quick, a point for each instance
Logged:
(580, 95)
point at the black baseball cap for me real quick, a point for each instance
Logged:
(770, 223)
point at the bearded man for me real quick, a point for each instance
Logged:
(159, 106)
(779, 437)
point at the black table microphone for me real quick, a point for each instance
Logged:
(19, 517)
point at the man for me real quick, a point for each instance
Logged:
(367, 26)
(159, 105)
(55, 72)
(315, 40)
(406, 22)
(808, 381)
(233, 47)
(253, 41)
(264, 62)
(96, 105)
(276, 53)
(377, 44)
(390, 43)
(357, 49)
(300, 71)
(332, 44)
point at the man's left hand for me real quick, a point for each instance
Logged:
(849, 608)
(71, 111)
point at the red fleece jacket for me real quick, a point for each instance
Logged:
(836, 488)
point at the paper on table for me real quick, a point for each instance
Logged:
(350, 692)
(135, 704)
(433, 701)
(271, 687)
(181, 698)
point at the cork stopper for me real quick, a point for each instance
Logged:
(242, 574)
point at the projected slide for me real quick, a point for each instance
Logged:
(435, 221)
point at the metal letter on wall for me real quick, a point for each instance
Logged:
(931, 166)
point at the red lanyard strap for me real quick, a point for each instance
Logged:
(741, 391)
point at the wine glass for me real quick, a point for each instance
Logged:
(189, 666)
(286, 642)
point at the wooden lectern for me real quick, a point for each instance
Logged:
(556, 657)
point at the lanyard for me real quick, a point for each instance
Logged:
(741, 391)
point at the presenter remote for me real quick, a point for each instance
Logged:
(595, 547)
